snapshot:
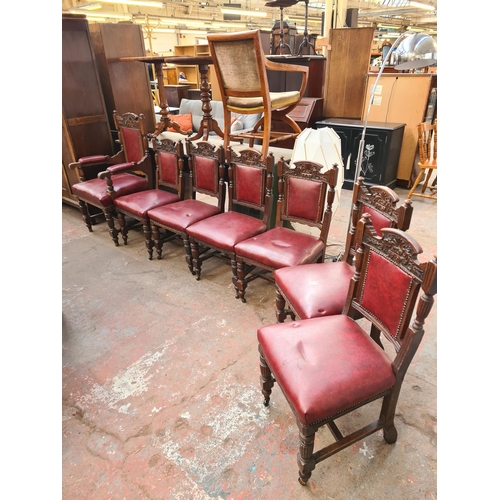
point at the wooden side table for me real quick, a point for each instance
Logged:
(208, 124)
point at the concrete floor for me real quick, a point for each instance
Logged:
(160, 384)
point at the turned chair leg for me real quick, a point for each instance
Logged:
(113, 232)
(266, 378)
(85, 214)
(280, 307)
(156, 238)
(305, 459)
(187, 249)
(195, 254)
(123, 227)
(146, 229)
(239, 280)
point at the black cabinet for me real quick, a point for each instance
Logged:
(380, 160)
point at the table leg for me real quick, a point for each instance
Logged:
(165, 120)
(207, 123)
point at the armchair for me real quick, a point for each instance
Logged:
(131, 168)
(329, 367)
(241, 67)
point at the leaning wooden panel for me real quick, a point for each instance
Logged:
(348, 60)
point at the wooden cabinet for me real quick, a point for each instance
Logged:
(401, 97)
(85, 125)
(125, 85)
(382, 149)
(283, 81)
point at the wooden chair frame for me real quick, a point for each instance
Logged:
(138, 162)
(248, 269)
(231, 67)
(427, 147)
(374, 199)
(400, 249)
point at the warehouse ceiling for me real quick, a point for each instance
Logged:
(388, 16)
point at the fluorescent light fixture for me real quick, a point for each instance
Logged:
(109, 15)
(96, 19)
(250, 13)
(91, 6)
(302, 19)
(421, 5)
(140, 3)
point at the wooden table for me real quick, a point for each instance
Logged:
(208, 124)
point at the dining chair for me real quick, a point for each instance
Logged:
(250, 178)
(131, 169)
(206, 178)
(427, 163)
(170, 189)
(305, 197)
(313, 290)
(330, 367)
(241, 68)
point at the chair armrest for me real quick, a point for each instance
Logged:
(117, 169)
(275, 66)
(88, 161)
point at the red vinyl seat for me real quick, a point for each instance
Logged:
(302, 192)
(206, 174)
(314, 290)
(249, 186)
(131, 169)
(329, 367)
(170, 189)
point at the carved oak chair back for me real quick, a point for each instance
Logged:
(250, 180)
(328, 367)
(381, 203)
(302, 192)
(241, 67)
(206, 177)
(321, 289)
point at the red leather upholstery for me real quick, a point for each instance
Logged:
(228, 228)
(385, 280)
(325, 365)
(181, 215)
(379, 220)
(168, 167)
(120, 168)
(248, 184)
(94, 191)
(89, 160)
(303, 199)
(315, 289)
(204, 172)
(139, 203)
(281, 247)
(132, 144)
